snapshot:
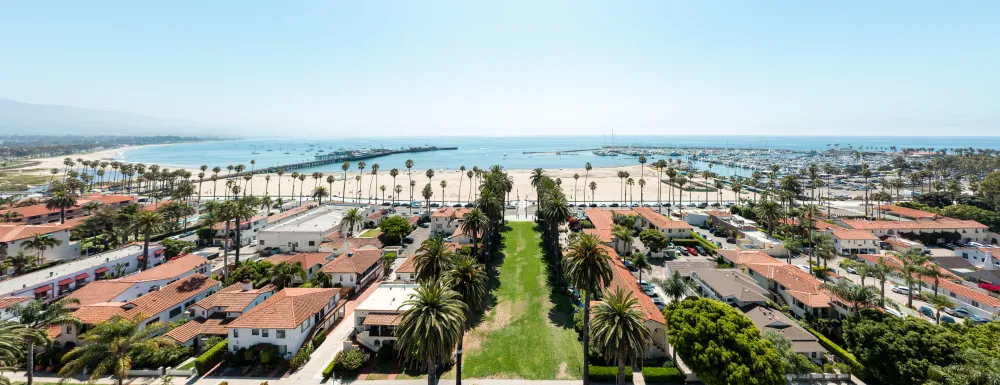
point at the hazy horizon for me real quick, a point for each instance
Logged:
(410, 69)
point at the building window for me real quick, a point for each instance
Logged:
(279, 333)
(255, 332)
(69, 329)
(236, 333)
(176, 311)
(975, 304)
(262, 242)
(265, 333)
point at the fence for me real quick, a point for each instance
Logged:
(160, 372)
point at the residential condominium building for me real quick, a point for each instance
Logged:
(302, 233)
(310, 262)
(286, 320)
(730, 286)
(445, 220)
(800, 290)
(210, 316)
(803, 342)
(13, 238)
(249, 229)
(652, 317)
(59, 280)
(39, 214)
(850, 241)
(963, 230)
(357, 268)
(133, 286)
(166, 304)
(985, 258)
(376, 318)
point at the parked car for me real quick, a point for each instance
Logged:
(434, 205)
(900, 289)
(851, 270)
(605, 205)
(683, 251)
(650, 292)
(593, 205)
(425, 225)
(894, 312)
(659, 303)
(692, 250)
(582, 205)
(947, 319)
(977, 319)
(700, 249)
(407, 239)
(457, 205)
(469, 205)
(962, 313)
(614, 205)
(386, 204)
(628, 264)
(645, 284)
(730, 240)
(927, 311)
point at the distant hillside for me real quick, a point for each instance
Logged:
(39, 119)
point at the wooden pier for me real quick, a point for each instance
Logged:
(323, 160)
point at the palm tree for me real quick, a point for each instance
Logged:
(345, 166)
(770, 212)
(470, 174)
(475, 223)
(555, 211)
(881, 272)
(385, 263)
(640, 262)
(41, 242)
(444, 184)
(352, 217)
(146, 222)
(433, 259)
(913, 267)
(939, 302)
(396, 191)
(12, 338)
(36, 315)
(588, 267)
(374, 179)
(427, 193)
(318, 194)
(593, 189)
(19, 261)
(432, 325)
(284, 274)
(302, 179)
(409, 176)
(623, 235)
(329, 181)
(858, 296)
(111, 347)
(673, 287)
(61, 200)
(468, 278)
(619, 328)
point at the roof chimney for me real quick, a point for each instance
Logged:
(350, 253)
(247, 285)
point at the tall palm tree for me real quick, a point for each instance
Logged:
(674, 286)
(619, 328)
(913, 267)
(468, 278)
(41, 242)
(444, 184)
(475, 223)
(394, 173)
(385, 263)
(881, 272)
(242, 210)
(769, 211)
(61, 200)
(433, 259)
(939, 302)
(318, 194)
(396, 191)
(858, 296)
(427, 193)
(13, 336)
(622, 235)
(329, 181)
(593, 189)
(36, 315)
(352, 217)
(345, 166)
(302, 179)
(111, 347)
(588, 267)
(409, 176)
(146, 222)
(640, 262)
(432, 324)
(284, 274)
(555, 211)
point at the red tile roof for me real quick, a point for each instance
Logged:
(197, 327)
(11, 232)
(382, 319)
(851, 234)
(171, 295)
(172, 269)
(743, 257)
(407, 266)
(908, 212)
(660, 221)
(286, 309)
(622, 278)
(355, 261)
(233, 297)
(936, 224)
(8, 301)
(306, 260)
(448, 212)
(99, 312)
(100, 291)
(799, 284)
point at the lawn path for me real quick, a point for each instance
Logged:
(517, 338)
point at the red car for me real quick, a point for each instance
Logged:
(692, 250)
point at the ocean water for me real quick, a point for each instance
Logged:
(506, 151)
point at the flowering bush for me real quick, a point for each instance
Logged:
(990, 287)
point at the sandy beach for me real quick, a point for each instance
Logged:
(609, 186)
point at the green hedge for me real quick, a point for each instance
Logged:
(328, 372)
(608, 373)
(685, 242)
(838, 351)
(708, 245)
(654, 375)
(211, 357)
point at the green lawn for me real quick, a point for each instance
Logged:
(528, 333)
(370, 233)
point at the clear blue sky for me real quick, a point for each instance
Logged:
(334, 68)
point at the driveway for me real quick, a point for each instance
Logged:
(419, 235)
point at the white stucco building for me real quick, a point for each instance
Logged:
(376, 318)
(303, 233)
(286, 319)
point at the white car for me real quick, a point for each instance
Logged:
(894, 312)
(803, 268)
(900, 289)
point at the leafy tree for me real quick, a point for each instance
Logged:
(175, 247)
(255, 271)
(896, 350)
(394, 229)
(618, 327)
(721, 344)
(653, 239)
(986, 217)
(431, 326)
(385, 263)
(111, 348)
(974, 369)
(795, 363)
(283, 274)
(936, 199)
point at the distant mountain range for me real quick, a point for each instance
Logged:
(40, 119)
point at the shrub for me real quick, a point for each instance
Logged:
(654, 375)
(328, 372)
(578, 320)
(349, 360)
(838, 351)
(608, 373)
(320, 337)
(250, 355)
(990, 287)
(268, 354)
(301, 357)
(211, 357)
